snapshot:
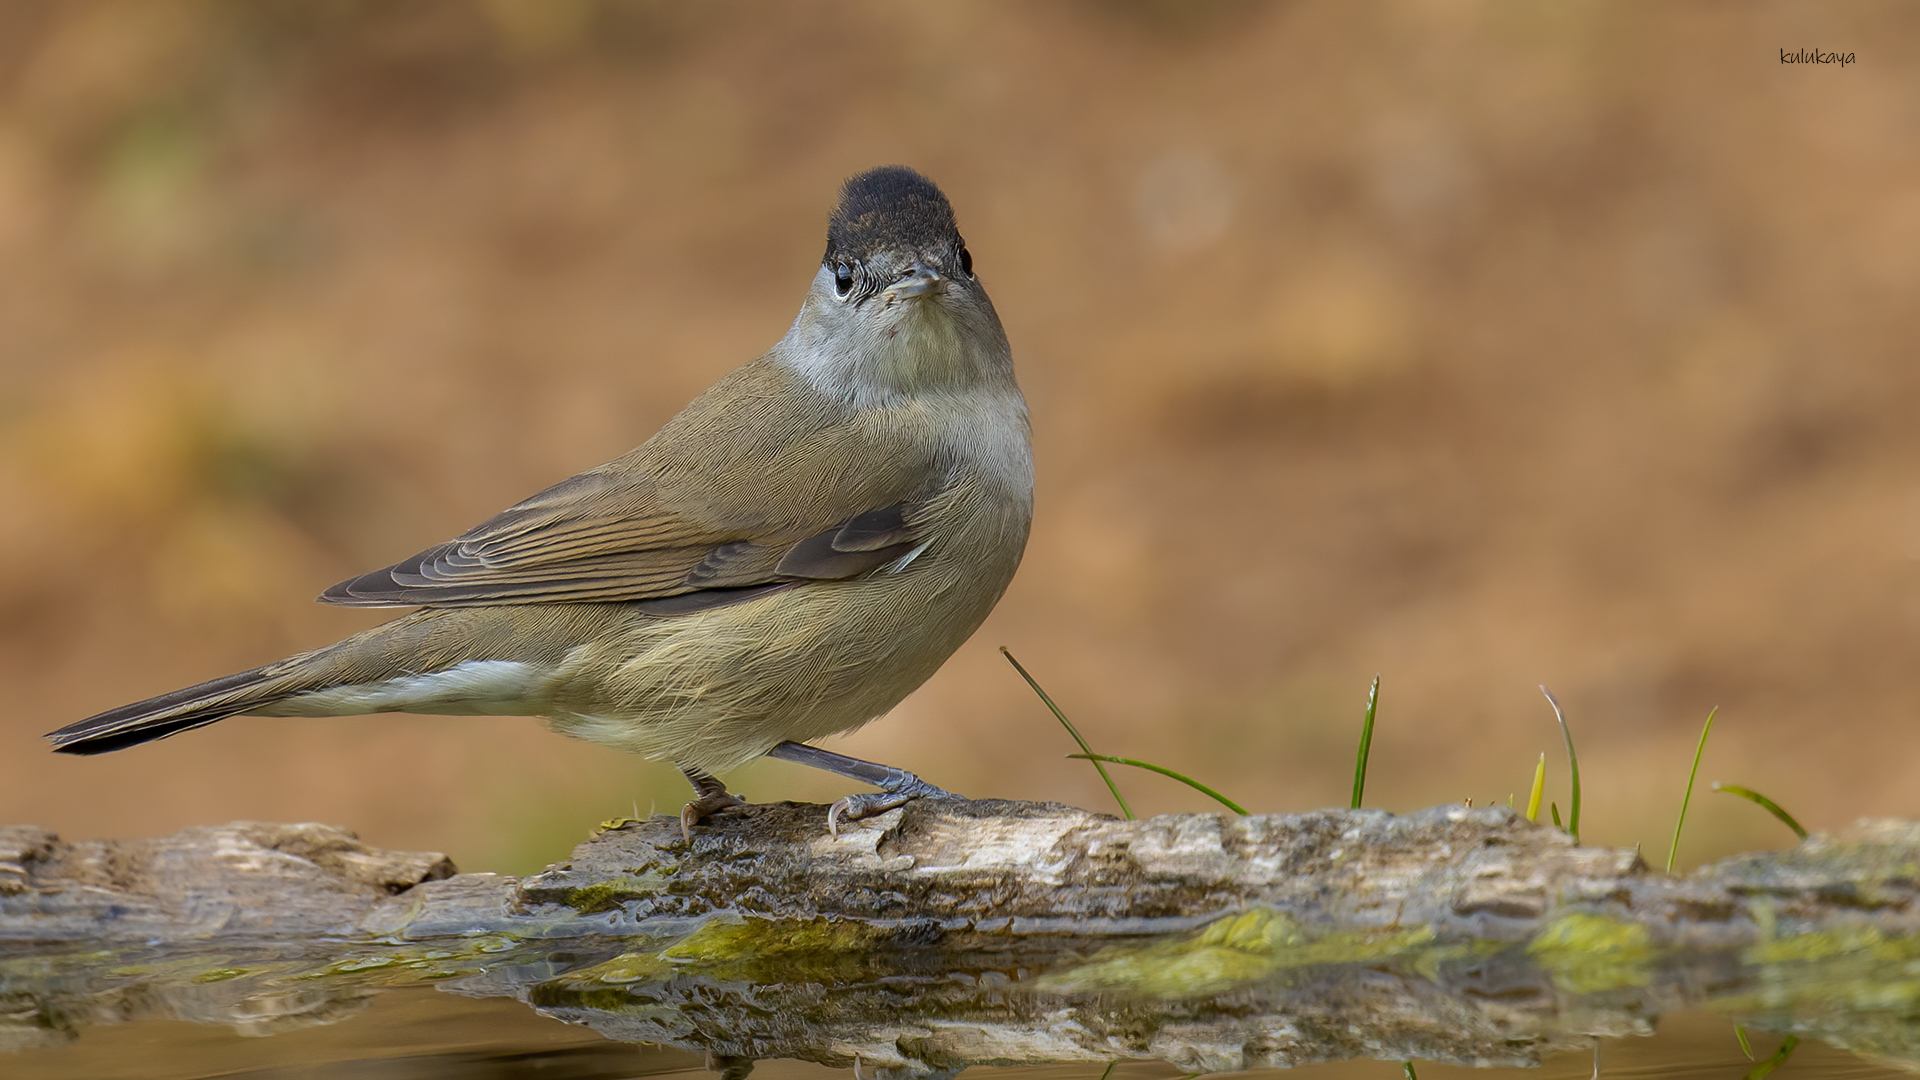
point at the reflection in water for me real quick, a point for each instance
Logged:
(1246, 990)
(416, 1034)
(644, 939)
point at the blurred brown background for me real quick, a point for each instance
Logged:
(1475, 345)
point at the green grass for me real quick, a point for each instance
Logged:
(1573, 766)
(1366, 747)
(1087, 754)
(1539, 788)
(1572, 827)
(1101, 760)
(1125, 810)
(1674, 849)
(1164, 771)
(1763, 803)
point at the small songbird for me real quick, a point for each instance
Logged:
(789, 557)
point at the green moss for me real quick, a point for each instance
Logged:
(44, 966)
(359, 963)
(219, 975)
(783, 950)
(1587, 953)
(619, 971)
(728, 942)
(608, 895)
(1229, 952)
(1856, 966)
(1429, 963)
(1859, 942)
(485, 943)
(674, 1022)
(763, 950)
(174, 968)
(400, 967)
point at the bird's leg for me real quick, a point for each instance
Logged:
(710, 796)
(897, 786)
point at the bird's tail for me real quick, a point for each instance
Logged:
(170, 714)
(465, 661)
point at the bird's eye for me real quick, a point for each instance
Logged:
(966, 262)
(842, 279)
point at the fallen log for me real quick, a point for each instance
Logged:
(950, 933)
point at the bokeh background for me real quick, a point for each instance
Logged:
(1477, 346)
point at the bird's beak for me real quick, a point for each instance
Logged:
(916, 280)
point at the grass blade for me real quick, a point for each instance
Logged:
(1555, 808)
(1539, 788)
(1745, 1046)
(1406, 1071)
(1366, 743)
(1691, 777)
(1573, 766)
(1125, 810)
(1763, 803)
(1774, 1060)
(1163, 771)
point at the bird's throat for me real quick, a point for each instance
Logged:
(918, 347)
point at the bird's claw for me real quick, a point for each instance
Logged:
(868, 804)
(700, 809)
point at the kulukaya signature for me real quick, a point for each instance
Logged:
(1815, 56)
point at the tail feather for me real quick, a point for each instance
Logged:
(168, 714)
(472, 660)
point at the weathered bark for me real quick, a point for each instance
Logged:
(950, 933)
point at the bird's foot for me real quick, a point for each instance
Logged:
(711, 797)
(704, 807)
(870, 803)
(897, 786)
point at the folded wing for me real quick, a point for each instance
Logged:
(600, 538)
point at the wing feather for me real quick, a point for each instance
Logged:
(658, 524)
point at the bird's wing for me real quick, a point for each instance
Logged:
(580, 541)
(752, 515)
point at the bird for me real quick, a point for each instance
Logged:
(788, 558)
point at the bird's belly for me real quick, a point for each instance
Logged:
(716, 688)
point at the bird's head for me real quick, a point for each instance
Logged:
(895, 306)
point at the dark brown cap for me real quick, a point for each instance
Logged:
(891, 208)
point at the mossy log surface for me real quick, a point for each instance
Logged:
(949, 933)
